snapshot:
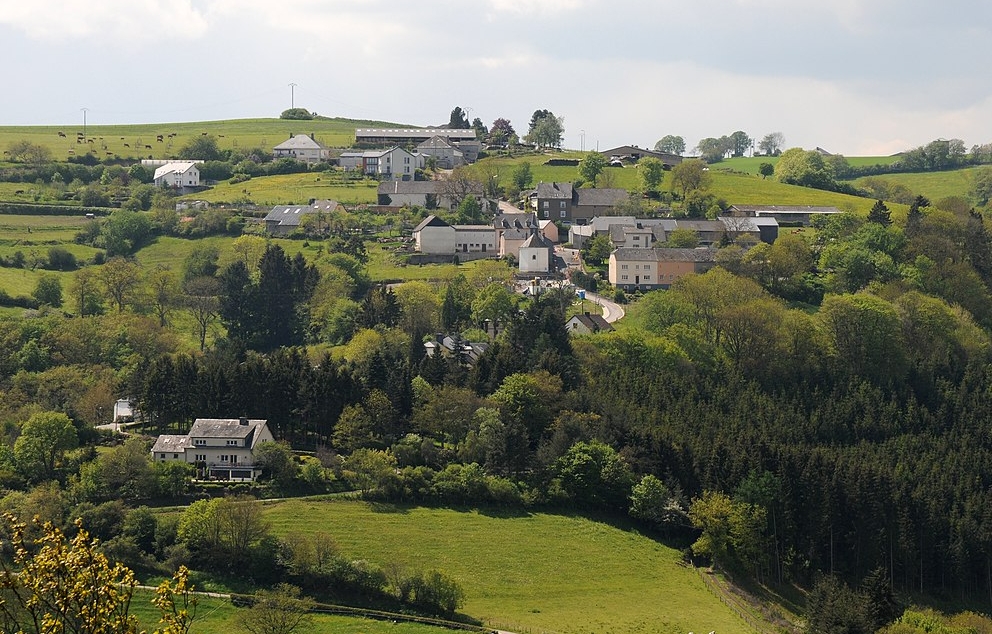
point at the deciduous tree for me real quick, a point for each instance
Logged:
(672, 144)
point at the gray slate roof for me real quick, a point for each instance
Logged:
(430, 221)
(635, 254)
(224, 428)
(299, 142)
(595, 323)
(171, 443)
(288, 215)
(588, 196)
(537, 241)
(554, 190)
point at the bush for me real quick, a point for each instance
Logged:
(60, 259)
(436, 592)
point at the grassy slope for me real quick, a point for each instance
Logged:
(290, 189)
(528, 572)
(218, 616)
(934, 185)
(243, 133)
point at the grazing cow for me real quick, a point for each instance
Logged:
(203, 134)
(72, 151)
(19, 191)
(79, 140)
(148, 147)
(127, 145)
(221, 135)
(158, 138)
(89, 140)
(62, 134)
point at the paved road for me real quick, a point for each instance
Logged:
(612, 311)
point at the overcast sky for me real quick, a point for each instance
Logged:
(857, 77)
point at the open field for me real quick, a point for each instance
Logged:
(530, 572)
(292, 189)
(141, 141)
(218, 616)
(934, 185)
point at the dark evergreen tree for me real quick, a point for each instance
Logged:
(880, 214)
(380, 308)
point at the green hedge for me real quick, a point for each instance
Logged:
(30, 209)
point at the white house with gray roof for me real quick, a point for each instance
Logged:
(178, 174)
(221, 448)
(302, 148)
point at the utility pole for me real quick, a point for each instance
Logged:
(85, 110)
(582, 140)
(292, 95)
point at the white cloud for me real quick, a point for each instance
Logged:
(535, 7)
(127, 20)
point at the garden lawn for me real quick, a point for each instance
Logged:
(527, 572)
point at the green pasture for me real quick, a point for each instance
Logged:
(215, 615)
(526, 572)
(141, 141)
(933, 185)
(292, 189)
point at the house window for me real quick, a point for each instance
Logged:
(546, 213)
(175, 456)
(223, 458)
(232, 442)
(623, 266)
(647, 277)
(200, 442)
(200, 457)
(162, 456)
(561, 204)
(546, 205)
(533, 257)
(623, 277)
(406, 160)
(564, 213)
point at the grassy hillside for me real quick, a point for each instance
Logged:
(526, 572)
(934, 185)
(290, 189)
(218, 616)
(140, 141)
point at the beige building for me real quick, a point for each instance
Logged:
(650, 269)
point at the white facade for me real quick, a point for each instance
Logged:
(220, 448)
(178, 174)
(302, 148)
(475, 239)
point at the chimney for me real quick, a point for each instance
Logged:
(311, 137)
(291, 135)
(243, 421)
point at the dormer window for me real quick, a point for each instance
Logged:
(199, 442)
